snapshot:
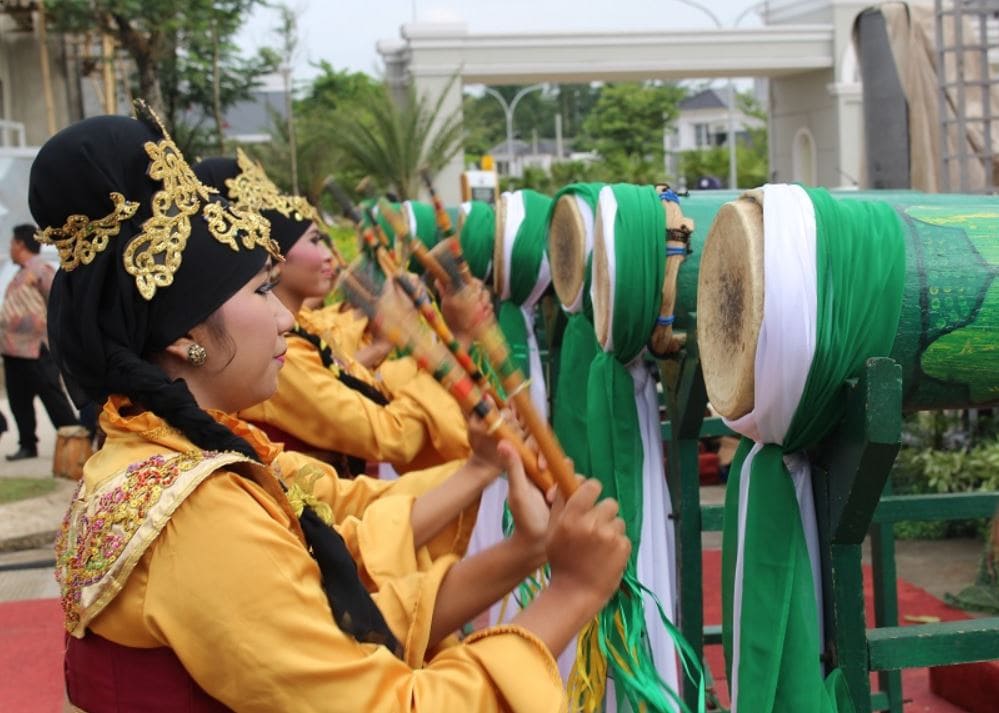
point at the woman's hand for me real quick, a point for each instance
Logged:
(587, 545)
(463, 311)
(372, 355)
(529, 507)
(486, 460)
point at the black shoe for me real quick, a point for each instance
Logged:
(23, 454)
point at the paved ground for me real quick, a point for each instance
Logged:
(938, 566)
(31, 523)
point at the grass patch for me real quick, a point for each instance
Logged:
(12, 489)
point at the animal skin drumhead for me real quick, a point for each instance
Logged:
(566, 248)
(499, 266)
(601, 281)
(730, 304)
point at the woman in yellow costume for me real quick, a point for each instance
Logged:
(197, 569)
(327, 403)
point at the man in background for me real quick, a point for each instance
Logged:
(28, 367)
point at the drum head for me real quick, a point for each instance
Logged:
(566, 249)
(601, 282)
(499, 266)
(730, 304)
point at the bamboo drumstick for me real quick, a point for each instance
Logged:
(490, 338)
(443, 219)
(416, 293)
(403, 234)
(434, 359)
(421, 300)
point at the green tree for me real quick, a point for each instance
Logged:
(575, 102)
(184, 52)
(393, 142)
(332, 90)
(317, 113)
(628, 120)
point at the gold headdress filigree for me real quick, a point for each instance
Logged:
(80, 238)
(253, 190)
(154, 255)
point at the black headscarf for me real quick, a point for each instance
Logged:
(104, 191)
(244, 182)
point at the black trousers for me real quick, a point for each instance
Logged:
(28, 378)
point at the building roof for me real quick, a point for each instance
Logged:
(707, 99)
(254, 116)
(248, 120)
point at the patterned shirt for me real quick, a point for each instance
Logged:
(25, 304)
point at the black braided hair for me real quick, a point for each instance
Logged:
(352, 382)
(149, 386)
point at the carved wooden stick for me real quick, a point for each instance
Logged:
(433, 358)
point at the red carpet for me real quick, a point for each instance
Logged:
(31, 646)
(912, 601)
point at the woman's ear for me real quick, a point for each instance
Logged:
(184, 350)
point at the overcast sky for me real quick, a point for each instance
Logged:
(345, 32)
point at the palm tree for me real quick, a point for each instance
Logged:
(393, 141)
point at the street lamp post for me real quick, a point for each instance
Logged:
(733, 180)
(508, 110)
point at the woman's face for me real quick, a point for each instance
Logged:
(246, 346)
(308, 267)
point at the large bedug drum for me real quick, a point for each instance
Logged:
(947, 338)
(797, 289)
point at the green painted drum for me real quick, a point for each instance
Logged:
(947, 339)
(702, 207)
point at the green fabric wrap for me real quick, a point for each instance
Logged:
(579, 347)
(612, 417)
(426, 222)
(426, 228)
(860, 263)
(478, 235)
(529, 246)
(523, 273)
(613, 429)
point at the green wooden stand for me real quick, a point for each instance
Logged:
(850, 476)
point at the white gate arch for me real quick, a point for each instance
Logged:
(800, 50)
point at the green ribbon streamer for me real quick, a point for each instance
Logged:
(861, 268)
(511, 321)
(478, 235)
(616, 452)
(579, 347)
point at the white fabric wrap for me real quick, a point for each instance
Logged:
(784, 356)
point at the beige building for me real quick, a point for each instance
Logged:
(804, 50)
(34, 104)
(23, 99)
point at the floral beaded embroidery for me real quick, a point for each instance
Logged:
(97, 530)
